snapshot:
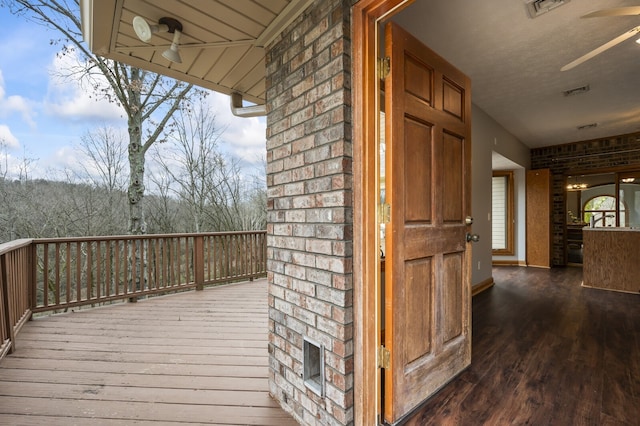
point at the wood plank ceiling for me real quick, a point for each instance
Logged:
(222, 42)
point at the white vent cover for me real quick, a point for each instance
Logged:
(536, 8)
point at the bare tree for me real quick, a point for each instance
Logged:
(105, 152)
(211, 185)
(191, 161)
(164, 212)
(143, 96)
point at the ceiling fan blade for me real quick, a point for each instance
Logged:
(597, 51)
(616, 11)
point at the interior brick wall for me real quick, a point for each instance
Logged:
(597, 154)
(309, 211)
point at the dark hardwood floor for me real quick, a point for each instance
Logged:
(546, 351)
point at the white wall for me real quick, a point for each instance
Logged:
(488, 136)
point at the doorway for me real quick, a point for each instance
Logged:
(420, 337)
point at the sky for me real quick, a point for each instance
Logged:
(43, 117)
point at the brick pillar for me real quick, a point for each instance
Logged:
(309, 220)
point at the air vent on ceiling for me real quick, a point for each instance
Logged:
(536, 8)
(577, 90)
(587, 126)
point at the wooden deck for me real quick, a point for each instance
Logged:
(188, 359)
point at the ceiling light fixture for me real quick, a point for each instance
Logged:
(577, 186)
(144, 31)
(172, 53)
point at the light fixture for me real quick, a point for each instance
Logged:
(576, 185)
(144, 31)
(172, 53)
(628, 180)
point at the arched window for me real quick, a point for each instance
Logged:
(602, 208)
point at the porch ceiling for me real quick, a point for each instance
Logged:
(222, 43)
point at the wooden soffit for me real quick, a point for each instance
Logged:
(222, 43)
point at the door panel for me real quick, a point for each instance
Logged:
(417, 307)
(452, 296)
(453, 157)
(417, 151)
(418, 77)
(427, 171)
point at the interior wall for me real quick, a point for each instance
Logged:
(481, 174)
(489, 136)
(521, 216)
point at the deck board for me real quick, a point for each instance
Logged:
(192, 358)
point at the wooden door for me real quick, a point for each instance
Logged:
(539, 218)
(427, 277)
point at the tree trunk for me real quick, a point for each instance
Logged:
(137, 225)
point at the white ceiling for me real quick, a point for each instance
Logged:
(514, 63)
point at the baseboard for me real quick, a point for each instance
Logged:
(508, 263)
(482, 286)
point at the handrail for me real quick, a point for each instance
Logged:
(55, 274)
(15, 276)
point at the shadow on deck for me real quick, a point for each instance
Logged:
(191, 358)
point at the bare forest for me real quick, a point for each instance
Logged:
(191, 186)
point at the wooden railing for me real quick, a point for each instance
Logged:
(57, 274)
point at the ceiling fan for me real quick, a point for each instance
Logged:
(616, 11)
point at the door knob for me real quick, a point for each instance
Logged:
(468, 220)
(473, 238)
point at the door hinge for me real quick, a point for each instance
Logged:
(384, 67)
(385, 213)
(384, 357)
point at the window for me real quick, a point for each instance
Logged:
(601, 211)
(502, 213)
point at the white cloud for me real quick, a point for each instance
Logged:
(245, 137)
(7, 138)
(15, 104)
(67, 98)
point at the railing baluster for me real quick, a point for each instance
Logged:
(98, 275)
(177, 259)
(45, 275)
(117, 272)
(108, 265)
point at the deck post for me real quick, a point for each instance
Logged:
(6, 305)
(198, 261)
(31, 282)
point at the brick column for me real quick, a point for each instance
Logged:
(309, 221)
